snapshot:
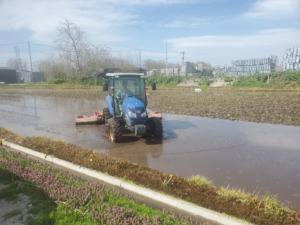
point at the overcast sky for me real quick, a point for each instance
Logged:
(214, 31)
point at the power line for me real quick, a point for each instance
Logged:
(145, 50)
(8, 44)
(46, 45)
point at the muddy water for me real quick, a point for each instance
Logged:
(251, 156)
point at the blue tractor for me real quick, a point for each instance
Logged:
(126, 110)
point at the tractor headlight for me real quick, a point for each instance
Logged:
(131, 113)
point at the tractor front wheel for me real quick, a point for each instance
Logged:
(115, 130)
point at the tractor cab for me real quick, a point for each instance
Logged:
(127, 92)
(127, 97)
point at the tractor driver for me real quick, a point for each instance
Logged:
(124, 92)
(121, 95)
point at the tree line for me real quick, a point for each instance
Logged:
(78, 59)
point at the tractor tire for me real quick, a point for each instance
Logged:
(156, 128)
(114, 130)
(106, 115)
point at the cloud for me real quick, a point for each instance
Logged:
(268, 37)
(153, 2)
(116, 23)
(274, 10)
(187, 22)
(104, 21)
(42, 17)
(219, 50)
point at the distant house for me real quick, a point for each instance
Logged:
(187, 68)
(12, 76)
(170, 71)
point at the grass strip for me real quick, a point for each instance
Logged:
(251, 208)
(77, 201)
(35, 211)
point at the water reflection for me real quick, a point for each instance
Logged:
(173, 125)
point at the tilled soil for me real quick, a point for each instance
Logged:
(264, 107)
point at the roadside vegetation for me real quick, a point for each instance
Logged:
(277, 79)
(169, 81)
(282, 79)
(33, 209)
(60, 198)
(250, 207)
(260, 80)
(91, 81)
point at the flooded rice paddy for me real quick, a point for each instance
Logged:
(246, 155)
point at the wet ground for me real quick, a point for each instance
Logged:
(246, 155)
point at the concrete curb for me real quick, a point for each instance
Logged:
(159, 198)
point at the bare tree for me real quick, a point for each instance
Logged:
(56, 68)
(152, 64)
(94, 58)
(82, 56)
(17, 62)
(72, 43)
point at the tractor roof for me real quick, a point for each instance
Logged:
(124, 74)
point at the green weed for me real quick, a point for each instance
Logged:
(167, 180)
(200, 180)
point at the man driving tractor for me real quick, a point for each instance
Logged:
(121, 95)
(124, 92)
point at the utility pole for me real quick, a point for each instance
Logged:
(166, 57)
(140, 58)
(30, 62)
(182, 53)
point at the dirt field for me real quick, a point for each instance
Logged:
(265, 107)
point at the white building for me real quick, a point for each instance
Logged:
(187, 68)
(170, 71)
(291, 60)
(251, 66)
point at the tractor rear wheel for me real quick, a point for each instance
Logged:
(115, 130)
(106, 115)
(156, 128)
